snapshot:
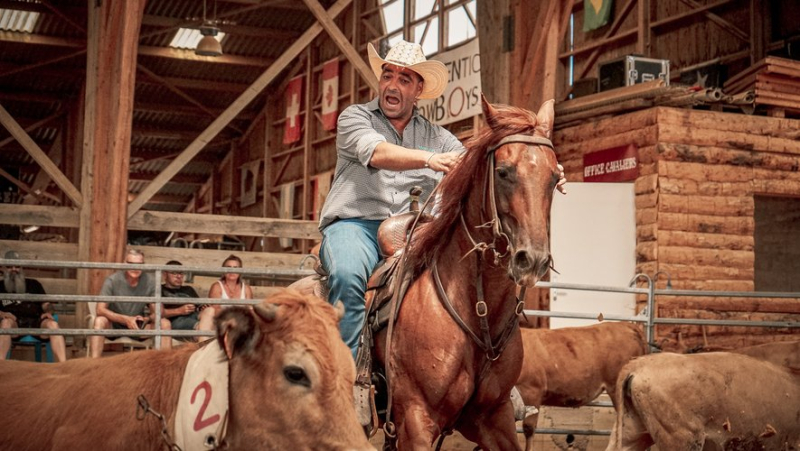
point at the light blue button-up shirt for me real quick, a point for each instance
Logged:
(362, 191)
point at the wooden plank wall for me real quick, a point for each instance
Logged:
(699, 174)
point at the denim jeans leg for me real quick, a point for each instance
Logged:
(349, 252)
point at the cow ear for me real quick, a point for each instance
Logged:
(237, 332)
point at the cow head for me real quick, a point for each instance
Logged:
(291, 376)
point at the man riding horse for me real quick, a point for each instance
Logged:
(385, 147)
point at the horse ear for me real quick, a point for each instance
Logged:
(489, 112)
(545, 117)
(237, 332)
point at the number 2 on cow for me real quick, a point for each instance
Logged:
(199, 421)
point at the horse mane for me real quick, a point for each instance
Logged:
(468, 174)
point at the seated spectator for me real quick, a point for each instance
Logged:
(126, 315)
(229, 286)
(182, 316)
(26, 315)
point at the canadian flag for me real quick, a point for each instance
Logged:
(294, 94)
(330, 94)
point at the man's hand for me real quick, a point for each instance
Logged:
(7, 315)
(186, 309)
(130, 321)
(561, 180)
(47, 315)
(444, 162)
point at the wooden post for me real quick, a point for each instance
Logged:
(112, 43)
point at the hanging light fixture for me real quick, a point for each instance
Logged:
(209, 45)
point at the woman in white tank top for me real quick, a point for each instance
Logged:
(229, 286)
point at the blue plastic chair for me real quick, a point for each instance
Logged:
(30, 340)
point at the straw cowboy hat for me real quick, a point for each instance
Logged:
(411, 56)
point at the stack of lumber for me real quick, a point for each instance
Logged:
(774, 81)
(631, 98)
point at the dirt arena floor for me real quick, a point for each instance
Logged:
(584, 418)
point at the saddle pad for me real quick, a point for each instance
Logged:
(202, 412)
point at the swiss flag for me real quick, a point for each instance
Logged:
(294, 95)
(330, 94)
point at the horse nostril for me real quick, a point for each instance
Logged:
(522, 260)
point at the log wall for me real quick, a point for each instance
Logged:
(701, 173)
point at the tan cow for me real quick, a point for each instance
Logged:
(783, 353)
(570, 367)
(711, 401)
(290, 387)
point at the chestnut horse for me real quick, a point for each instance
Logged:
(455, 350)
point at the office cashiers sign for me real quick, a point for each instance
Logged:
(618, 164)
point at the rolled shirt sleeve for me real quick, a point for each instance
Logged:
(356, 140)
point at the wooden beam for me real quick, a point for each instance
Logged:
(110, 84)
(343, 43)
(56, 11)
(41, 180)
(198, 84)
(38, 154)
(24, 187)
(43, 63)
(41, 215)
(161, 221)
(536, 50)
(161, 52)
(238, 30)
(189, 55)
(33, 126)
(208, 258)
(179, 178)
(238, 105)
(40, 39)
(683, 18)
(185, 110)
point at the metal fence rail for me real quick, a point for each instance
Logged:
(276, 273)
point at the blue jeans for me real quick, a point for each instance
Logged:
(348, 253)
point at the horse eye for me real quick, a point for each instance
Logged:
(502, 173)
(296, 375)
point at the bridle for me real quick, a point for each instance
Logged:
(488, 185)
(492, 348)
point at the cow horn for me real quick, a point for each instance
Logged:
(267, 312)
(339, 307)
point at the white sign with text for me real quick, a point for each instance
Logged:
(462, 98)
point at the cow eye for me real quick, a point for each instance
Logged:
(296, 375)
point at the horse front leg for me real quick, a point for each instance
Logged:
(415, 428)
(493, 429)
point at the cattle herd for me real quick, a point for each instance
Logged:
(289, 385)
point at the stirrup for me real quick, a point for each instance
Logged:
(366, 413)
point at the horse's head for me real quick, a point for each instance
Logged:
(522, 176)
